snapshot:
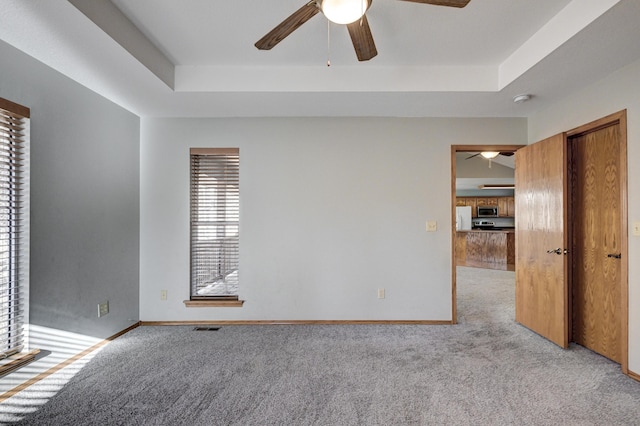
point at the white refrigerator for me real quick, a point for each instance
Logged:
(463, 218)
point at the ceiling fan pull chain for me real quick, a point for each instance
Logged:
(328, 43)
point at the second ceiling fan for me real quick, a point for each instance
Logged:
(354, 18)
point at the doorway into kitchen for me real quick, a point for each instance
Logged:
(483, 209)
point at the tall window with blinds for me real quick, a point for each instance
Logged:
(14, 135)
(215, 223)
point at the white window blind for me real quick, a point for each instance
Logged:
(215, 222)
(14, 135)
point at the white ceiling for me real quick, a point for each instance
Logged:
(469, 157)
(223, 33)
(474, 171)
(196, 57)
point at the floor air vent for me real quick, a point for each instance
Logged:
(206, 328)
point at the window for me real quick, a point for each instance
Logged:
(215, 225)
(14, 214)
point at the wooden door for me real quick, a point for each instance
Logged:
(541, 239)
(597, 242)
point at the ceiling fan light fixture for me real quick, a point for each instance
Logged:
(344, 11)
(489, 154)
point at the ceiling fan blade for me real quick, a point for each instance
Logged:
(288, 26)
(507, 153)
(362, 39)
(450, 3)
(474, 155)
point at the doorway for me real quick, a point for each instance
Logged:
(598, 182)
(572, 278)
(470, 149)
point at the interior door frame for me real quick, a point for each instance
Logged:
(455, 149)
(618, 118)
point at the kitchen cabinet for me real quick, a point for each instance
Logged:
(511, 207)
(471, 201)
(503, 210)
(506, 205)
(486, 201)
(486, 249)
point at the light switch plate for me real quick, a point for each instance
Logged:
(432, 226)
(103, 309)
(636, 229)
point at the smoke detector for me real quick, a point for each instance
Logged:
(521, 98)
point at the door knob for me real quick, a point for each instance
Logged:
(558, 251)
(615, 255)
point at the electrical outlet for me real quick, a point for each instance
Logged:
(163, 294)
(636, 229)
(381, 293)
(103, 309)
(432, 226)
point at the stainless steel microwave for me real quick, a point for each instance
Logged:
(487, 211)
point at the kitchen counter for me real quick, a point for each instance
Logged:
(486, 248)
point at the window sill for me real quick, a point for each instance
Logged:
(14, 362)
(202, 303)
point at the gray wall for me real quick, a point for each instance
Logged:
(84, 200)
(332, 209)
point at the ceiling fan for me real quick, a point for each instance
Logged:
(491, 154)
(348, 12)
